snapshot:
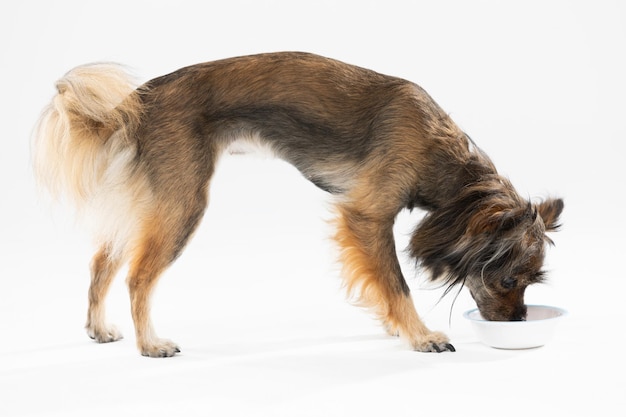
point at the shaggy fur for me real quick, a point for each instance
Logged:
(137, 162)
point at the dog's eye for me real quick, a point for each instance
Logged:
(509, 283)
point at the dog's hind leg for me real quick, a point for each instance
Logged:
(104, 266)
(372, 273)
(175, 214)
(163, 239)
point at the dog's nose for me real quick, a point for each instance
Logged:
(519, 314)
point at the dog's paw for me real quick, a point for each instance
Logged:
(433, 342)
(161, 348)
(104, 334)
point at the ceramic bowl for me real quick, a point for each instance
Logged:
(537, 330)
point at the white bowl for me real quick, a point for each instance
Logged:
(536, 331)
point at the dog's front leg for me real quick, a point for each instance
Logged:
(373, 273)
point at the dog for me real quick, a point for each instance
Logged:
(137, 162)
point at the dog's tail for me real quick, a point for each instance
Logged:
(84, 148)
(75, 134)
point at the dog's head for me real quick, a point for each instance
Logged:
(490, 240)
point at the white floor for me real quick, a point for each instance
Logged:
(255, 302)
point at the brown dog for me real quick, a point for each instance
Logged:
(139, 161)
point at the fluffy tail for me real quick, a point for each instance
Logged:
(85, 151)
(84, 126)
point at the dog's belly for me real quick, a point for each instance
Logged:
(332, 177)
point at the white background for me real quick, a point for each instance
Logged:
(255, 302)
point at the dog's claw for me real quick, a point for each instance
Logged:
(447, 347)
(443, 348)
(433, 342)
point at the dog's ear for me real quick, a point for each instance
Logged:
(550, 210)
